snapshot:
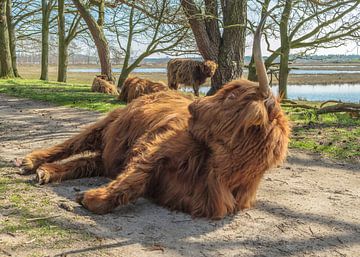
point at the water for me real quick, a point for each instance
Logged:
(139, 70)
(163, 70)
(303, 72)
(340, 92)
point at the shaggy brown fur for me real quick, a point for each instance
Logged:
(136, 87)
(189, 72)
(204, 157)
(101, 85)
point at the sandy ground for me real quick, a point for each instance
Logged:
(308, 207)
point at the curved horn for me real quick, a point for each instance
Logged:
(259, 65)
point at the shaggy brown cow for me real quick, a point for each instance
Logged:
(189, 72)
(102, 85)
(135, 87)
(204, 157)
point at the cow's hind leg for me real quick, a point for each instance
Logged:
(88, 140)
(82, 167)
(133, 182)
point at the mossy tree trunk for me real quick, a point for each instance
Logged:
(226, 46)
(64, 40)
(251, 70)
(99, 38)
(45, 29)
(6, 70)
(12, 38)
(63, 55)
(285, 49)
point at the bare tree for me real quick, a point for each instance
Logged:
(219, 28)
(65, 37)
(162, 32)
(306, 26)
(98, 35)
(6, 69)
(12, 37)
(47, 6)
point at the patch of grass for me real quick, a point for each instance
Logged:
(6, 183)
(335, 135)
(19, 204)
(71, 95)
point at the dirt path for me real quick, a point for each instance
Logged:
(308, 207)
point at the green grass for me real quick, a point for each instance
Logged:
(71, 95)
(20, 203)
(333, 135)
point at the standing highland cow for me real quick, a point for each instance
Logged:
(102, 85)
(189, 72)
(205, 157)
(136, 87)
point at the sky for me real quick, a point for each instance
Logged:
(348, 49)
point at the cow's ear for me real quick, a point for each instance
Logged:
(272, 107)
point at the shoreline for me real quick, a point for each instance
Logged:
(33, 72)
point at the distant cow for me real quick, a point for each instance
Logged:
(136, 87)
(189, 72)
(102, 85)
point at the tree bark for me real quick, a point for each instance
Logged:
(62, 58)
(285, 50)
(101, 17)
(46, 9)
(12, 38)
(125, 69)
(251, 70)
(227, 49)
(6, 70)
(99, 39)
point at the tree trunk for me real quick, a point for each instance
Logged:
(101, 17)
(232, 47)
(285, 50)
(252, 76)
(12, 38)
(6, 70)
(125, 71)
(123, 76)
(284, 72)
(46, 9)
(63, 63)
(62, 58)
(99, 39)
(227, 49)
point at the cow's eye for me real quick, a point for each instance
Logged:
(231, 96)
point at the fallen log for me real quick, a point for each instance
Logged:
(342, 107)
(304, 106)
(330, 101)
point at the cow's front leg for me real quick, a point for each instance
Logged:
(127, 187)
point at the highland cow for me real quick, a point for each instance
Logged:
(204, 157)
(136, 87)
(102, 85)
(189, 72)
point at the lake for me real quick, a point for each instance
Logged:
(118, 70)
(341, 92)
(300, 71)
